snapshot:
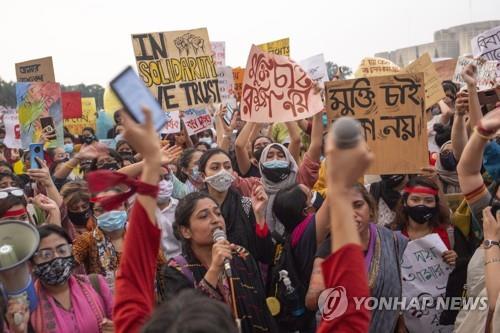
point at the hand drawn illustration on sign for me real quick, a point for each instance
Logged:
(189, 41)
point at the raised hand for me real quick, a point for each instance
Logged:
(259, 200)
(170, 154)
(469, 75)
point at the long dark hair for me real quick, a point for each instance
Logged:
(183, 163)
(441, 219)
(202, 164)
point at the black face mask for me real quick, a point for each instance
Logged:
(109, 166)
(126, 154)
(257, 153)
(448, 161)
(392, 180)
(276, 175)
(80, 219)
(88, 139)
(421, 213)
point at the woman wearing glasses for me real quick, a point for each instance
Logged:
(66, 302)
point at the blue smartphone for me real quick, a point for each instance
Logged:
(36, 150)
(134, 95)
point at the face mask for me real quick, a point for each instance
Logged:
(448, 161)
(208, 140)
(56, 271)
(166, 188)
(68, 148)
(88, 139)
(276, 170)
(79, 219)
(491, 160)
(257, 154)
(421, 213)
(220, 181)
(109, 166)
(196, 175)
(112, 220)
(393, 180)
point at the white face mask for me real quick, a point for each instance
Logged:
(220, 181)
(165, 191)
(208, 140)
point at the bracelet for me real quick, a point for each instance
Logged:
(483, 135)
(493, 260)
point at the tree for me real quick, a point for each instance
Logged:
(336, 71)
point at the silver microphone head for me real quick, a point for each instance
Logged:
(219, 234)
(347, 132)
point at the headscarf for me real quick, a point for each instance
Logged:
(272, 188)
(449, 178)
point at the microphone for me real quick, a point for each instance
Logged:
(347, 132)
(220, 235)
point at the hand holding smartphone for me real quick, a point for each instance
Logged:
(36, 150)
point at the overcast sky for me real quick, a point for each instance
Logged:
(90, 40)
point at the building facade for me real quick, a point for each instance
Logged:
(448, 43)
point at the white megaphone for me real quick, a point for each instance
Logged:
(18, 242)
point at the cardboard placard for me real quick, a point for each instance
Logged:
(36, 100)
(173, 124)
(219, 53)
(238, 75)
(487, 44)
(12, 128)
(71, 104)
(315, 67)
(178, 68)
(196, 121)
(433, 89)
(486, 72)
(88, 118)
(36, 70)
(279, 47)
(373, 66)
(445, 68)
(276, 89)
(391, 110)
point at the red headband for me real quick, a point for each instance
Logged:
(17, 212)
(420, 189)
(102, 180)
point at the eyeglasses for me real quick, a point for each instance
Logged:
(17, 192)
(44, 255)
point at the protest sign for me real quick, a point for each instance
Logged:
(226, 85)
(433, 89)
(487, 44)
(374, 66)
(71, 104)
(39, 108)
(276, 89)
(424, 274)
(445, 68)
(196, 121)
(486, 72)
(88, 118)
(219, 53)
(36, 70)
(391, 110)
(238, 75)
(173, 124)
(279, 47)
(177, 67)
(12, 127)
(315, 67)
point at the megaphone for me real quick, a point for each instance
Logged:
(18, 242)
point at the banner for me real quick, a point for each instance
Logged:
(374, 66)
(486, 72)
(12, 127)
(219, 53)
(278, 47)
(433, 88)
(276, 89)
(391, 110)
(315, 67)
(487, 45)
(424, 274)
(71, 104)
(177, 67)
(238, 75)
(173, 124)
(36, 70)
(39, 108)
(88, 118)
(196, 121)
(445, 68)
(226, 86)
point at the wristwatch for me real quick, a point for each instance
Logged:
(487, 243)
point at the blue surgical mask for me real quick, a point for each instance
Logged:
(112, 220)
(491, 160)
(68, 148)
(276, 164)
